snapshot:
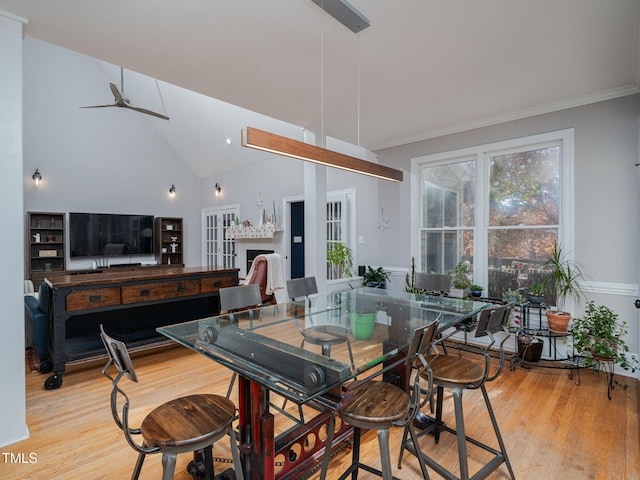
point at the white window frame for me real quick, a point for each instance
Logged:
(347, 198)
(563, 138)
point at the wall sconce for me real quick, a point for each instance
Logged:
(36, 177)
(172, 191)
(218, 189)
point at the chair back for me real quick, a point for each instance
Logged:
(492, 320)
(432, 282)
(241, 296)
(423, 338)
(301, 287)
(118, 356)
(421, 343)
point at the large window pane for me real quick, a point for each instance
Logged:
(448, 203)
(517, 258)
(525, 188)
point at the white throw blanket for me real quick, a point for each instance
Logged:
(275, 273)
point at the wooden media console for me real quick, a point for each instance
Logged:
(130, 305)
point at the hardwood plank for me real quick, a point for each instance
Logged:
(552, 427)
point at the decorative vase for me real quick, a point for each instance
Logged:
(362, 325)
(558, 321)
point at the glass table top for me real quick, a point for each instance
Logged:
(305, 348)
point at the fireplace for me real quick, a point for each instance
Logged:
(252, 254)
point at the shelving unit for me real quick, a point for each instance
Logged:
(46, 245)
(553, 360)
(169, 233)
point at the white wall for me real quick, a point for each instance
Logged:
(12, 392)
(105, 160)
(607, 194)
(275, 178)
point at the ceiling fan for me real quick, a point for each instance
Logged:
(122, 101)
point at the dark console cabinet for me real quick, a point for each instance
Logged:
(130, 305)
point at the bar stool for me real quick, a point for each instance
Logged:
(375, 405)
(459, 374)
(187, 424)
(323, 335)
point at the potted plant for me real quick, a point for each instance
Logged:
(564, 281)
(340, 257)
(536, 293)
(476, 290)
(598, 337)
(460, 282)
(529, 347)
(513, 297)
(375, 277)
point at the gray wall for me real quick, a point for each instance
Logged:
(12, 377)
(607, 193)
(103, 160)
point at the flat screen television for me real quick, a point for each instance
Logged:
(110, 235)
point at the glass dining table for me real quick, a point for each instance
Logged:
(310, 352)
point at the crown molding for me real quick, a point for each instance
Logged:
(509, 117)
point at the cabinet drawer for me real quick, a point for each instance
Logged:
(87, 299)
(213, 284)
(148, 292)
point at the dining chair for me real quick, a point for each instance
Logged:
(459, 374)
(187, 424)
(239, 298)
(432, 282)
(377, 405)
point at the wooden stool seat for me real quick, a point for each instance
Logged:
(186, 422)
(453, 370)
(374, 405)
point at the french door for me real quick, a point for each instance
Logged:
(217, 249)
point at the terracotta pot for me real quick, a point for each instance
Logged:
(558, 321)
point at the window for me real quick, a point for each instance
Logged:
(501, 207)
(218, 250)
(340, 212)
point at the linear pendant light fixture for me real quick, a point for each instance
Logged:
(270, 142)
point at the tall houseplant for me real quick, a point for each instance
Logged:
(564, 280)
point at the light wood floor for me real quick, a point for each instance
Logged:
(553, 428)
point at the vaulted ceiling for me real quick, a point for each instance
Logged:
(422, 69)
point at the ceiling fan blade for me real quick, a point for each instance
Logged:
(101, 106)
(117, 95)
(148, 112)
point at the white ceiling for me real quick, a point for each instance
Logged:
(423, 68)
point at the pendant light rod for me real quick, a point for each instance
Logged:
(273, 143)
